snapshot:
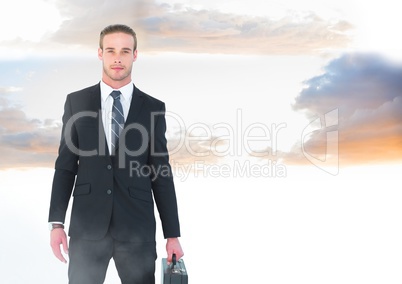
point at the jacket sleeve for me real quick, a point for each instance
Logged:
(65, 168)
(162, 180)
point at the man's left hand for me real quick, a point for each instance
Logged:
(173, 247)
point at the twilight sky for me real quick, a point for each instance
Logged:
(284, 120)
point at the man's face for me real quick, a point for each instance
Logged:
(117, 57)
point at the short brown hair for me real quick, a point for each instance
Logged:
(117, 29)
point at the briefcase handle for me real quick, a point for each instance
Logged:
(173, 260)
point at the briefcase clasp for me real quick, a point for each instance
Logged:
(174, 269)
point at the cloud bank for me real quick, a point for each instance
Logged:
(366, 90)
(25, 142)
(179, 28)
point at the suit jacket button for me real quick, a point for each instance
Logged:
(109, 191)
(109, 167)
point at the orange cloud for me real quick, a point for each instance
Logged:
(26, 142)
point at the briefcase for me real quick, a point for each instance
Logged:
(175, 273)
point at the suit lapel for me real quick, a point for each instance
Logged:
(135, 107)
(96, 106)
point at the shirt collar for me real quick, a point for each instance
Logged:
(126, 91)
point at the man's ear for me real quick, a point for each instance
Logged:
(135, 55)
(100, 53)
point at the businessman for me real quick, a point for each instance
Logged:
(113, 161)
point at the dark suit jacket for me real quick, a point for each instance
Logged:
(115, 193)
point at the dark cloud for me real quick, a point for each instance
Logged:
(366, 91)
(353, 81)
(177, 28)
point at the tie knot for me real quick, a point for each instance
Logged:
(115, 94)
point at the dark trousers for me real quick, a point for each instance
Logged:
(89, 260)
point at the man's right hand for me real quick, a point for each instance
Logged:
(58, 237)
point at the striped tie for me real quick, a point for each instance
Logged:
(117, 120)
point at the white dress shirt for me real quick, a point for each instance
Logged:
(107, 106)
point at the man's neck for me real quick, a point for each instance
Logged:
(116, 84)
